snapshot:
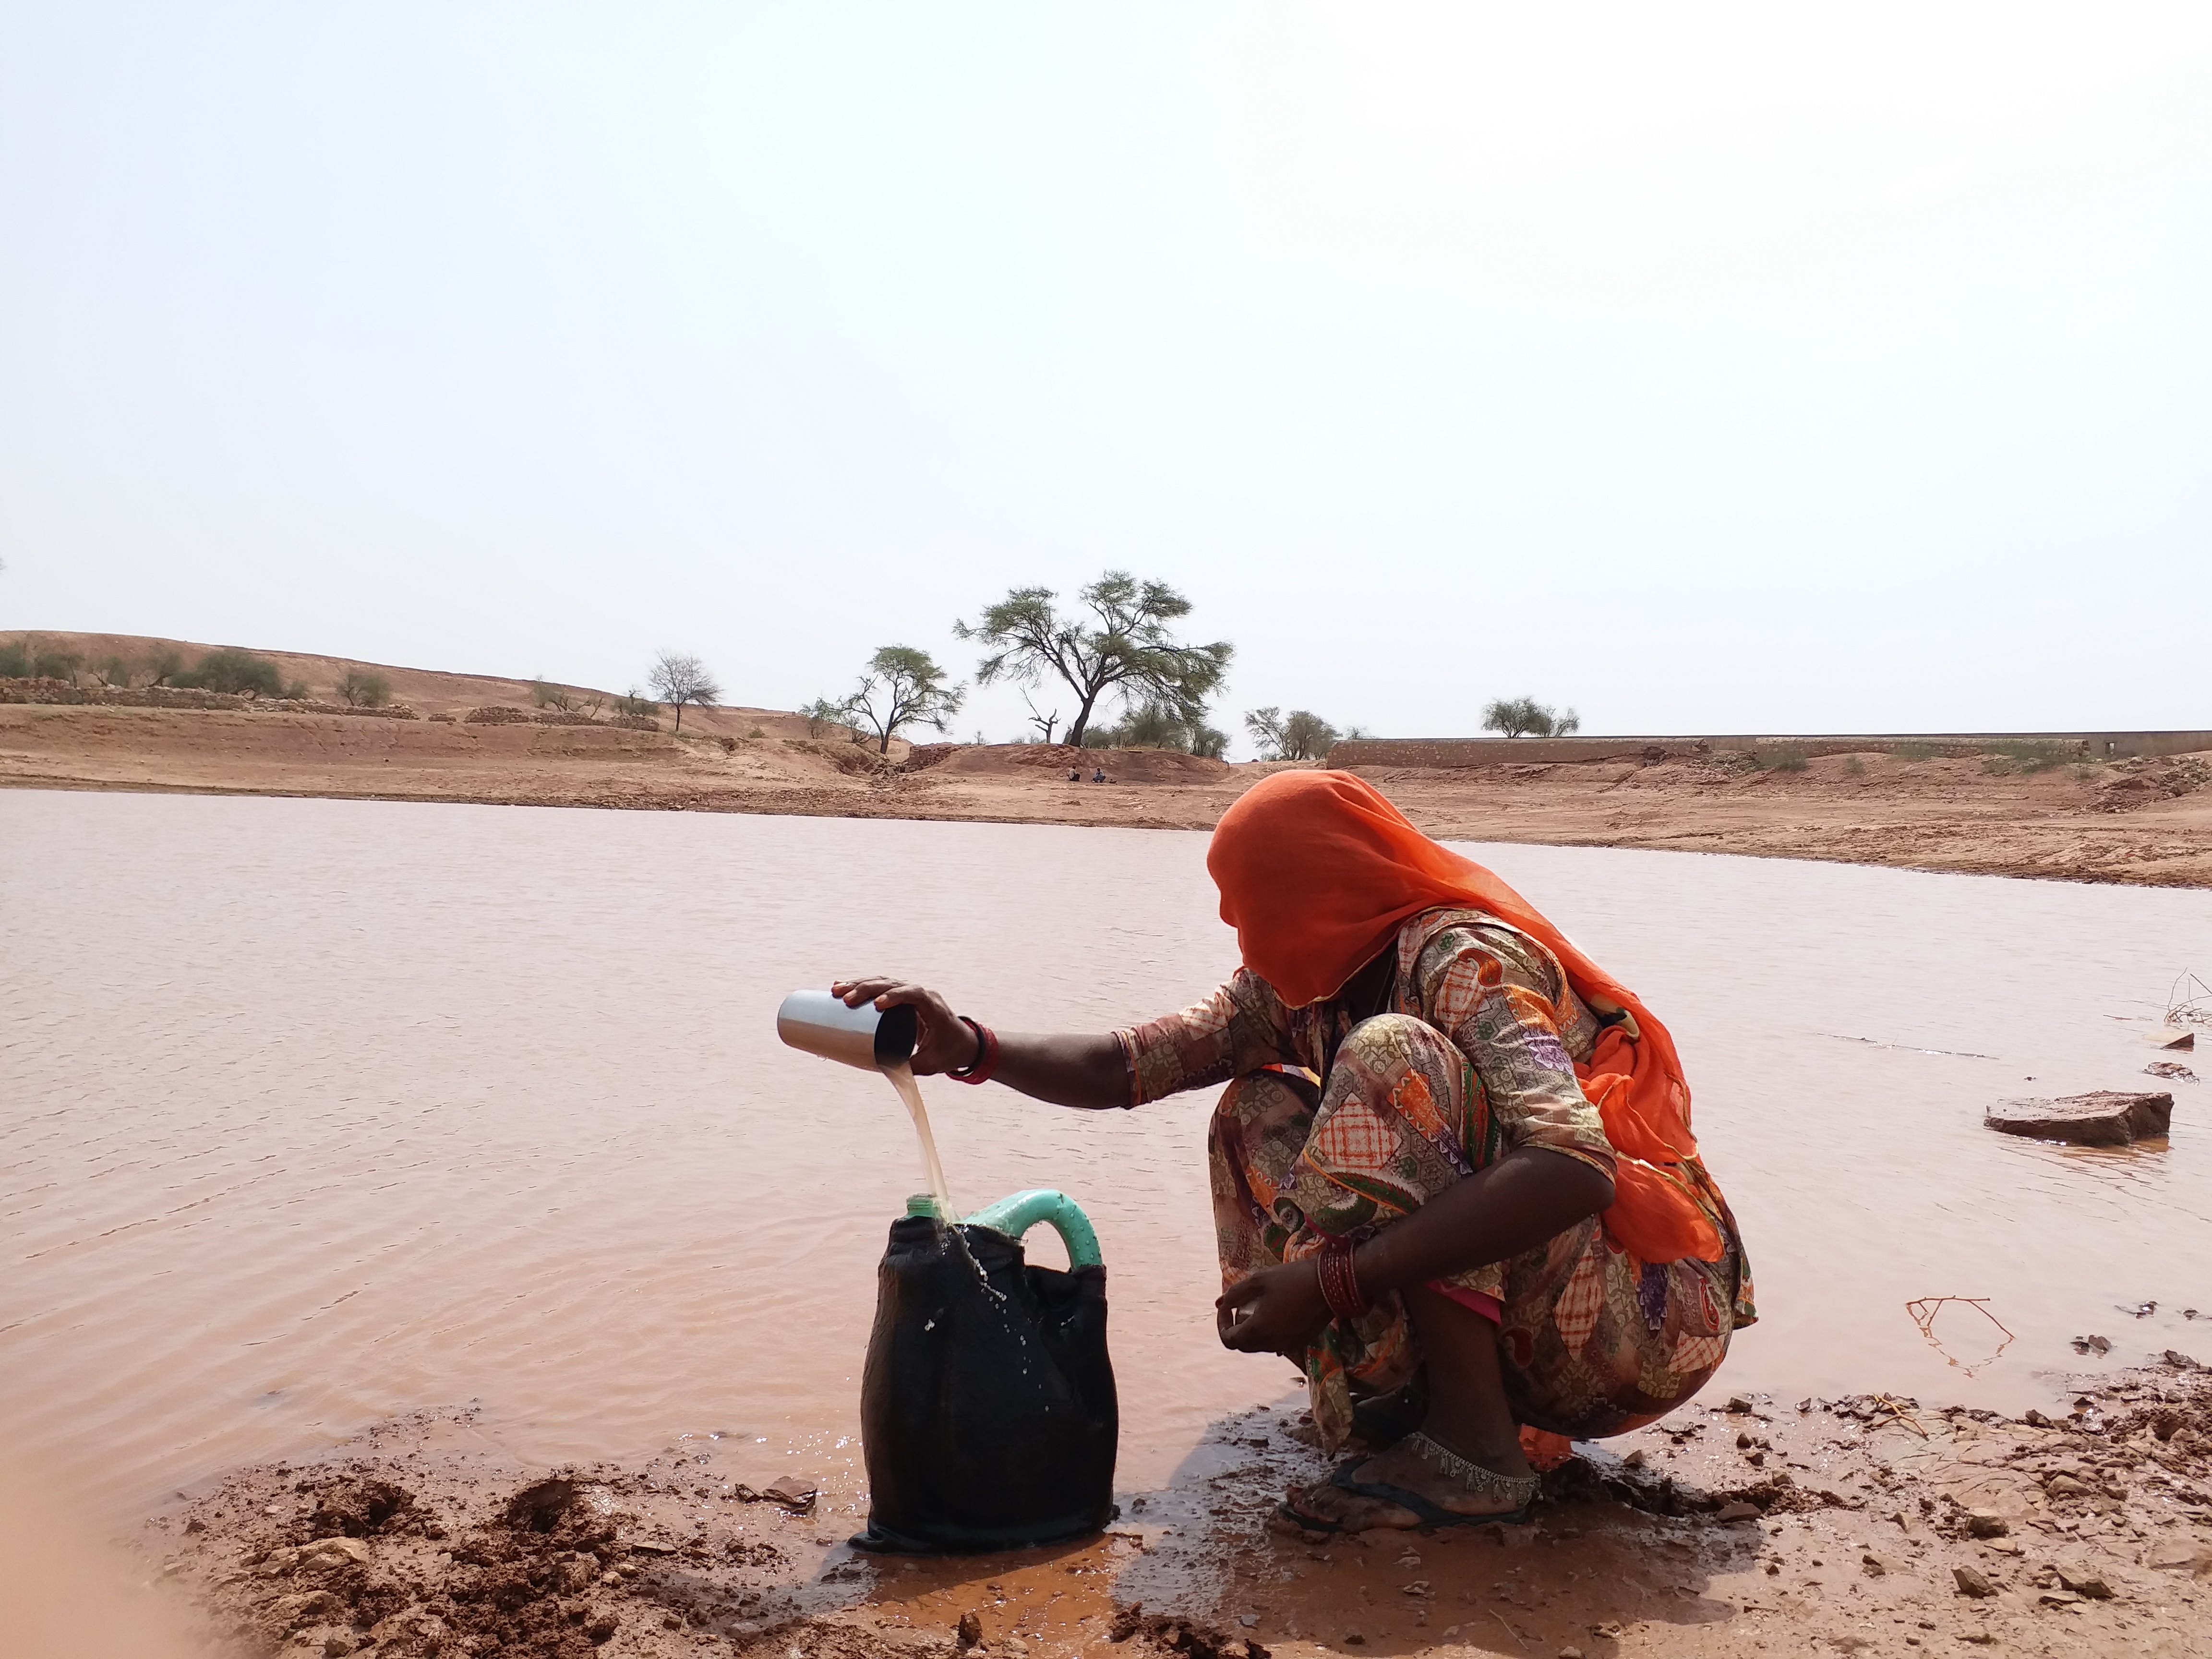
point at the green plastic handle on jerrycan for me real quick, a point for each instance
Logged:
(1015, 1214)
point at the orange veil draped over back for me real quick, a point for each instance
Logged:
(1317, 870)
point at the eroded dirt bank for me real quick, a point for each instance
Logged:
(1737, 1527)
(2138, 821)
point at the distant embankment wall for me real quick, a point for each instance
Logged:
(1458, 752)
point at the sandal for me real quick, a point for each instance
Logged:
(1523, 1488)
(1289, 1511)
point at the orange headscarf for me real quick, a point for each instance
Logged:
(1317, 870)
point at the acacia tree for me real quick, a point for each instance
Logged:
(1124, 646)
(678, 679)
(1299, 735)
(1524, 717)
(362, 690)
(902, 687)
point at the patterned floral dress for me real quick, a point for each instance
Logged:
(1338, 1120)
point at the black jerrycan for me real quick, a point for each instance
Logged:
(987, 1412)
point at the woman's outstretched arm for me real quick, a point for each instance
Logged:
(1067, 1069)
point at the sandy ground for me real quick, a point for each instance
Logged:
(2147, 822)
(1735, 1527)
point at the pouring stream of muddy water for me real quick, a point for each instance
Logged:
(312, 1112)
(932, 1168)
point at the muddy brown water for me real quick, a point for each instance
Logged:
(312, 1112)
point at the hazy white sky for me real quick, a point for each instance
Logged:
(1707, 368)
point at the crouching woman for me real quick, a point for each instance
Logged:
(1452, 1169)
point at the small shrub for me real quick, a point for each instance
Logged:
(166, 668)
(361, 690)
(549, 696)
(2024, 755)
(1855, 767)
(233, 670)
(297, 690)
(633, 707)
(1783, 760)
(26, 661)
(113, 670)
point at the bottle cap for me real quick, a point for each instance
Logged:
(924, 1204)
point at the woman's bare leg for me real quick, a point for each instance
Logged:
(1467, 1413)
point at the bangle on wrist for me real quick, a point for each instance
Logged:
(1340, 1280)
(979, 1069)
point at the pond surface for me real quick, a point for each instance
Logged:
(312, 1112)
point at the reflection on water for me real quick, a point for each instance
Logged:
(312, 1111)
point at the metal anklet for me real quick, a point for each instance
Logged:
(1516, 1489)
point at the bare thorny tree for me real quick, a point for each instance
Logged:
(1124, 645)
(678, 679)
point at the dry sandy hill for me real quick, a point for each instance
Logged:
(426, 691)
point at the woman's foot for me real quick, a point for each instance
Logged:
(1413, 1466)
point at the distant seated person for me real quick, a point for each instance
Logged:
(1075, 774)
(1098, 775)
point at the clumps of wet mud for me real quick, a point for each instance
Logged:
(1175, 1634)
(1656, 1493)
(363, 1507)
(2148, 1426)
(372, 1566)
(419, 1557)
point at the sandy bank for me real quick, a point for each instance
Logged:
(2143, 821)
(2146, 822)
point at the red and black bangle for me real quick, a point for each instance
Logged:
(1340, 1280)
(979, 1069)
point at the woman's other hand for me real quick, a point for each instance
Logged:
(1276, 1310)
(944, 1041)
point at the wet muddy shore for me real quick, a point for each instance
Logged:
(1737, 1526)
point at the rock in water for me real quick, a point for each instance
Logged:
(2106, 1118)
